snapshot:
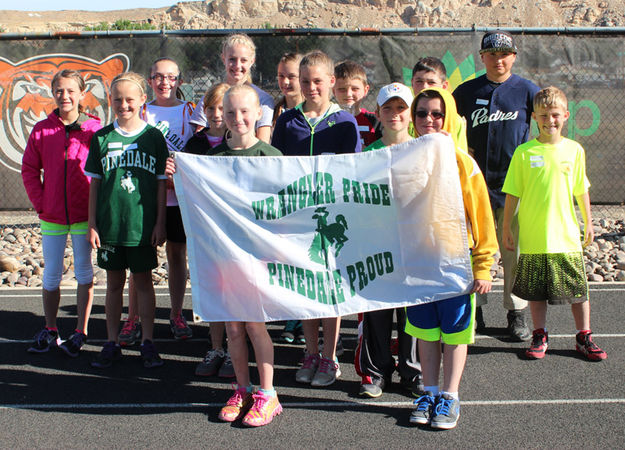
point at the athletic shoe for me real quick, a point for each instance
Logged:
(422, 414)
(264, 409)
(44, 340)
(150, 356)
(179, 327)
(73, 344)
(237, 405)
(517, 328)
(413, 385)
(211, 363)
(585, 346)
(130, 333)
(288, 334)
(446, 413)
(371, 387)
(110, 352)
(339, 346)
(309, 367)
(327, 373)
(540, 342)
(227, 369)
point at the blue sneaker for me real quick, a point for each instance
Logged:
(150, 356)
(446, 413)
(73, 344)
(44, 340)
(425, 407)
(111, 351)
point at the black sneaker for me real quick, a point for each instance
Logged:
(150, 355)
(517, 329)
(73, 344)
(111, 351)
(413, 385)
(44, 340)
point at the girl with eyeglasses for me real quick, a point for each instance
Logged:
(170, 114)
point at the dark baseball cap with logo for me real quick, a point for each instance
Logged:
(498, 41)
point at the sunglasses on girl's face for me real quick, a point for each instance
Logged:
(436, 115)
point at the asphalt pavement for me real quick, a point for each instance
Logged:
(52, 401)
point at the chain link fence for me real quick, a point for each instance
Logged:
(589, 65)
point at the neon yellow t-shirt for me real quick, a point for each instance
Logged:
(546, 178)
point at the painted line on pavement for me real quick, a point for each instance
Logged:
(337, 404)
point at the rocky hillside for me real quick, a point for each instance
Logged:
(336, 14)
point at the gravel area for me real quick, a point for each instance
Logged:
(21, 259)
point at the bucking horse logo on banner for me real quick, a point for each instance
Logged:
(26, 95)
(326, 236)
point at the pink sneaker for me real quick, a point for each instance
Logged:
(264, 409)
(237, 405)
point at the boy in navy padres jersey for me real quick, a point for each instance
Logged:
(497, 107)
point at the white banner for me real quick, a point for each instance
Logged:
(275, 238)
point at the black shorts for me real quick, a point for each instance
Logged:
(174, 226)
(558, 278)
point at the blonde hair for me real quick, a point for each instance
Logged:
(350, 70)
(215, 94)
(317, 58)
(242, 89)
(550, 97)
(131, 77)
(72, 75)
(239, 39)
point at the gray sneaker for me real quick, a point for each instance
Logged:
(424, 409)
(371, 387)
(227, 369)
(327, 373)
(309, 367)
(517, 328)
(211, 363)
(446, 413)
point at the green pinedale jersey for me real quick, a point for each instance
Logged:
(546, 178)
(129, 167)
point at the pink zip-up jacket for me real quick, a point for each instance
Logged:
(63, 195)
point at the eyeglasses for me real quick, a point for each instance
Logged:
(436, 115)
(160, 77)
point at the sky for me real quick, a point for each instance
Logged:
(108, 5)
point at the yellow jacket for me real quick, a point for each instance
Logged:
(477, 209)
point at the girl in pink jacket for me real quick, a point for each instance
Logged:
(58, 146)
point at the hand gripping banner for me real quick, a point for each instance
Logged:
(276, 238)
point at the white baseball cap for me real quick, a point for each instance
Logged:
(395, 90)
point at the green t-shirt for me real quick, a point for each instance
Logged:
(375, 145)
(546, 178)
(259, 149)
(129, 166)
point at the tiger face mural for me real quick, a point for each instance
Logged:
(26, 95)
